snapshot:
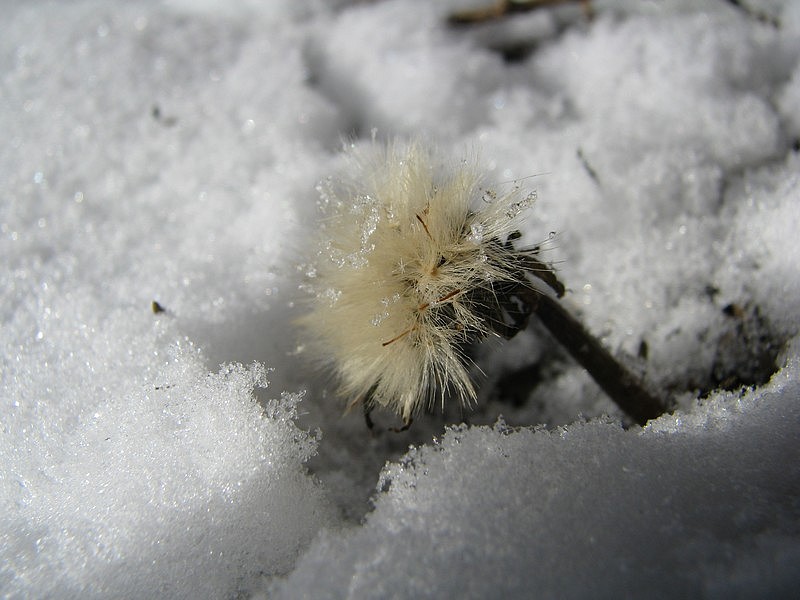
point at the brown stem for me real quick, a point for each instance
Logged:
(622, 386)
(501, 8)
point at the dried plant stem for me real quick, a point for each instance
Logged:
(502, 8)
(622, 386)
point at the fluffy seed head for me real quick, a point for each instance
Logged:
(405, 275)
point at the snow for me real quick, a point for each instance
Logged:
(170, 152)
(592, 510)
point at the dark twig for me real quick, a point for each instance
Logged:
(622, 386)
(754, 13)
(502, 8)
(508, 306)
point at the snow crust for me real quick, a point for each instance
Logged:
(170, 151)
(591, 510)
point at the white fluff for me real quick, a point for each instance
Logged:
(411, 249)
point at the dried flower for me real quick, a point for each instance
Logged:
(415, 262)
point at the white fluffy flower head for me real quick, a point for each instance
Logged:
(410, 267)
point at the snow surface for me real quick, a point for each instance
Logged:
(169, 151)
